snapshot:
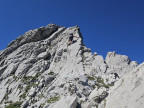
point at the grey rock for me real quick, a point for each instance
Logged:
(128, 92)
(32, 92)
(66, 102)
(41, 70)
(119, 64)
(44, 55)
(25, 104)
(2, 69)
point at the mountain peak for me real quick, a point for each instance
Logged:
(46, 68)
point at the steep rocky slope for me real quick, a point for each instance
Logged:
(39, 70)
(129, 91)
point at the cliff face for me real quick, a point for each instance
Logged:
(39, 70)
(128, 91)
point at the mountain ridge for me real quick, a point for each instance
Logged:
(39, 70)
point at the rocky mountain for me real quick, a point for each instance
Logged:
(40, 70)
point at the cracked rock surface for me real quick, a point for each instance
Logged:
(39, 70)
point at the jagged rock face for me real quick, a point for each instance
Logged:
(39, 70)
(120, 64)
(128, 91)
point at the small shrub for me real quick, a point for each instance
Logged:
(31, 78)
(42, 105)
(6, 96)
(8, 102)
(20, 87)
(27, 88)
(53, 99)
(81, 102)
(8, 81)
(14, 105)
(99, 80)
(51, 73)
(98, 85)
(40, 96)
(112, 84)
(106, 86)
(93, 86)
(36, 76)
(23, 96)
(91, 78)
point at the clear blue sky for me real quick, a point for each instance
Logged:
(106, 25)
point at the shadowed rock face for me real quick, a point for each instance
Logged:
(40, 70)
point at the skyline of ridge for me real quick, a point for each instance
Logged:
(105, 25)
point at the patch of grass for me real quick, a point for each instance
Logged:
(40, 96)
(93, 86)
(34, 85)
(15, 77)
(106, 86)
(33, 101)
(51, 73)
(36, 76)
(8, 81)
(104, 103)
(42, 105)
(8, 102)
(53, 99)
(96, 106)
(14, 105)
(27, 88)
(98, 85)
(112, 84)
(31, 78)
(20, 87)
(81, 102)
(91, 78)
(30, 81)
(107, 80)
(25, 79)
(23, 96)
(100, 82)
(12, 74)
(6, 96)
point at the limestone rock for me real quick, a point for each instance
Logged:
(119, 64)
(25, 104)
(42, 71)
(128, 92)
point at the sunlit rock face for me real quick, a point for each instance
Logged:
(40, 70)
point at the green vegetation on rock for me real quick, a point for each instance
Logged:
(23, 96)
(51, 73)
(100, 83)
(91, 78)
(14, 105)
(53, 99)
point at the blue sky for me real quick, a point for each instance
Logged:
(106, 25)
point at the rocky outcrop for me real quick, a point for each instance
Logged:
(39, 70)
(128, 91)
(119, 64)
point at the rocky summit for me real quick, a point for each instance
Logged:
(40, 70)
